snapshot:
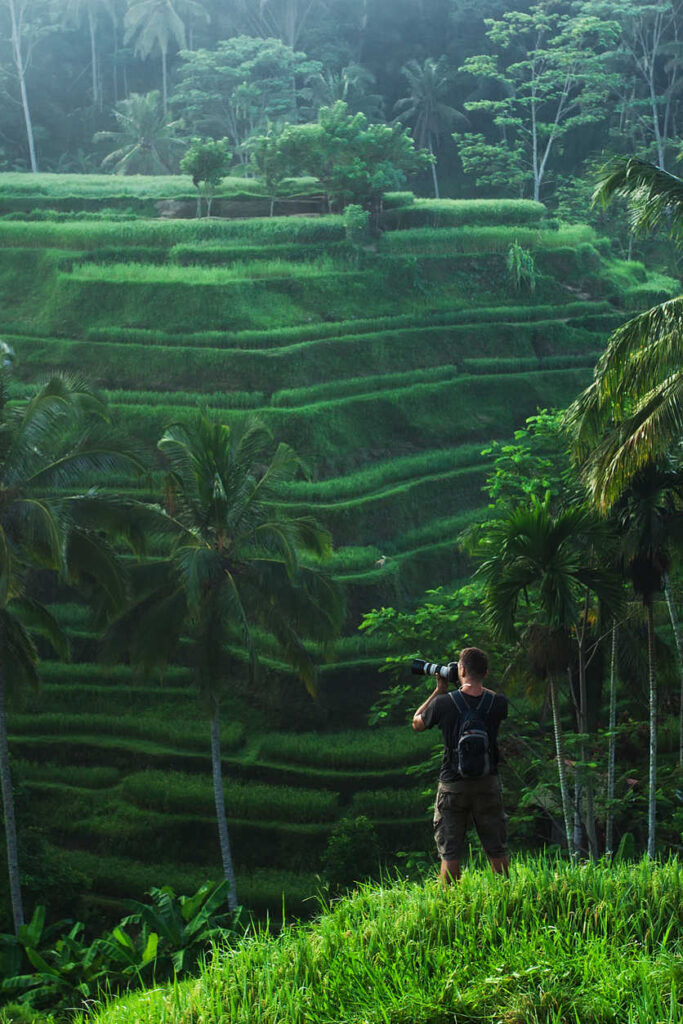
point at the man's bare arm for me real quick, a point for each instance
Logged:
(418, 721)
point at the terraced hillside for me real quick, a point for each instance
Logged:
(388, 368)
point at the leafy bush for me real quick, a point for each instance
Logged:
(521, 267)
(172, 933)
(356, 225)
(352, 853)
(392, 200)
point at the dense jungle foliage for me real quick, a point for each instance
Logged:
(332, 335)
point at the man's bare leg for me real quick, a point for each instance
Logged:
(450, 871)
(500, 865)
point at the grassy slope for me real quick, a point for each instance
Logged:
(388, 375)
(553, 945)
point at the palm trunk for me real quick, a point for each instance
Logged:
(609, 826)
(578, 814)
(585, 773)
(10, 822)
(93, 59)
(219, 797)
(434, 178)
(164, 82)
(19, 63)
(652, 775)
(559, 748)
(675, 625)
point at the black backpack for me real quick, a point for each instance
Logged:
(471, 748)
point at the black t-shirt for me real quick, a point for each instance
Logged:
(444, 712)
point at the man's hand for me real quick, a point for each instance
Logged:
(441, 688)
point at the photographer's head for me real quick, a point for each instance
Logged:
(472, 665)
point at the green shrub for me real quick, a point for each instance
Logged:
(352, 853)
(521, 267)
(356, 225)
(391, 200)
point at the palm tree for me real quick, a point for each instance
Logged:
(77, 10)
(632, 413)
(552, 555)
(158, 24)
(235, 568)
(49, 445)
(145, 140)
(424, 106)
(352, 85)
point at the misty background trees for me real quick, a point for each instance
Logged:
(514, 97)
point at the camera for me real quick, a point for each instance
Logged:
(448, 672)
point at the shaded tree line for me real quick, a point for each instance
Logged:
(512, 97)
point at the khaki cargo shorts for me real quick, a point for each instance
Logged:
(478, 800)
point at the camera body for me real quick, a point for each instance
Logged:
(448, 672)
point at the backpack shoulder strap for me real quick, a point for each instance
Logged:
(459, 701)
(487, 702)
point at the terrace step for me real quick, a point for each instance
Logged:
(124, 755)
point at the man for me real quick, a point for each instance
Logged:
(459, 798)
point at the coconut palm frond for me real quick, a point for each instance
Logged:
(655, 194)
(634, 389)
(629, 446)
(663, 323)
(35, 618)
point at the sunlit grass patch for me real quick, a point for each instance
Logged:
(556, 944)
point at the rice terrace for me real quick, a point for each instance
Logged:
(341, 409)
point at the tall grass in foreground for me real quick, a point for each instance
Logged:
(556, 944)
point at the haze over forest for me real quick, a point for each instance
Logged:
(610, 72)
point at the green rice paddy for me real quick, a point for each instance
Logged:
(389, 371)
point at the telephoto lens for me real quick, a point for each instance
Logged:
(448, 672)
